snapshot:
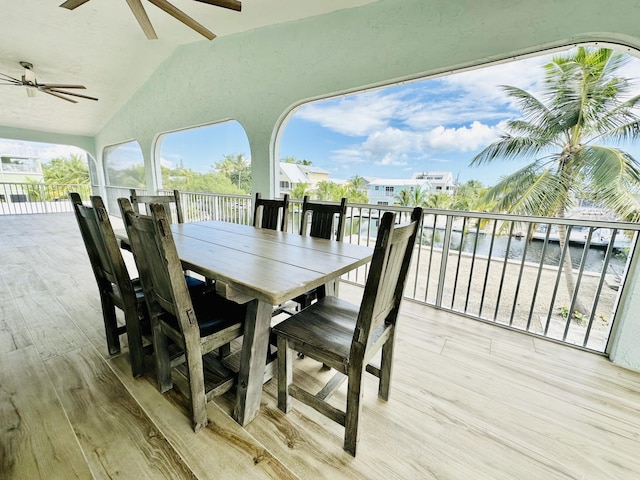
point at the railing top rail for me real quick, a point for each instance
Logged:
(507, 217)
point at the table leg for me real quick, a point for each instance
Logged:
(252, 361)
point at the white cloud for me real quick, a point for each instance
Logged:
(463, 139)
(165, 162)
(355, 115)
(44, 151)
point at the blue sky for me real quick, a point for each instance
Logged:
(428, 125)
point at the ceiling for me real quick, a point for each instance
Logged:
(100, 45)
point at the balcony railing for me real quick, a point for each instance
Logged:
(31, 198)
(504, 269)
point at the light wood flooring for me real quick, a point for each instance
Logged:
(468, 400)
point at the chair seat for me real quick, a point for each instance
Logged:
(214, 313)
(326, 325)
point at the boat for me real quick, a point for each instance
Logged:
(599, 239)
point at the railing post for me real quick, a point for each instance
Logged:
(444, 260)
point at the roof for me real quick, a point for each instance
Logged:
(312, 169)
(293, 172)
(398, 182)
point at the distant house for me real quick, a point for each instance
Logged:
(293, 173)
(439, 181)
(382, 191)
(18, 169)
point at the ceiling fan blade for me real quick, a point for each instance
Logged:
(47, 90)
(13, 80)
(55, 85)
(71, 4)
(142, 18)
(184, 18)
(230, 4)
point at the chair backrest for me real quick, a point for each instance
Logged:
(102, 247)
(386, 280)
(171, 203)
(323, 219)
(159, 266)
(271, 214)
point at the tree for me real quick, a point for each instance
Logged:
(326, 190)
(300, 190)
(570, 135)
(404, 198)
(296, 161)
(438, 200)
(237, 169)
(188, 180)
(470, 196)
(72, 170)
(133, 176)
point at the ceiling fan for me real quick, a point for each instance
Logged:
(29, 81)
(141, 15)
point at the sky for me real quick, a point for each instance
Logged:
(428, 125)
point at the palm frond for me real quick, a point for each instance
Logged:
(529, 191)
(614, 179)
(510, 148)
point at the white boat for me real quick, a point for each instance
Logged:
(599, 239)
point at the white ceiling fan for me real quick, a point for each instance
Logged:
(29, 81)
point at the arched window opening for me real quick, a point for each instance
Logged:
(213, 158)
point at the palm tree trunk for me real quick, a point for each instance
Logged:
(567, 266)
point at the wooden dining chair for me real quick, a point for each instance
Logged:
(172, 204)
(345, 336)
(271, 213)
(321, 220)
(197, 324)
(116, 287)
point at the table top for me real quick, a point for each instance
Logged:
(265, 264)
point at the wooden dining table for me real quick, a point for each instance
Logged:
(262, 268)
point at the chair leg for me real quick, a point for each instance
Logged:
(110, 324)
(384, 385)
(163, 360)
(196, 387)
(134, 338)
(224, 350)
(285, 374)
(354, 409)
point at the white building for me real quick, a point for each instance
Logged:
(440, 181)
(293, 173)
(383, 191)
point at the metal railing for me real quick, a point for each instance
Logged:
(504, 269)
(31, 198)
(512, 271)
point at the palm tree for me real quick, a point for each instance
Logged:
(237, 168)
(438, 200)
(404, 198)
(300, 190)
(412, 197)
(570, 133)
(470, 196)
(71, 170)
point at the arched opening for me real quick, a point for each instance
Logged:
(212, 158)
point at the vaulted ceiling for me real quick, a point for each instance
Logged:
(100, 45)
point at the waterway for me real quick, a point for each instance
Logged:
(594, 260)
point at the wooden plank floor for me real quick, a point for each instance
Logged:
(468, 401)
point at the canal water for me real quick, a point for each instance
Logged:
(594, 261)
